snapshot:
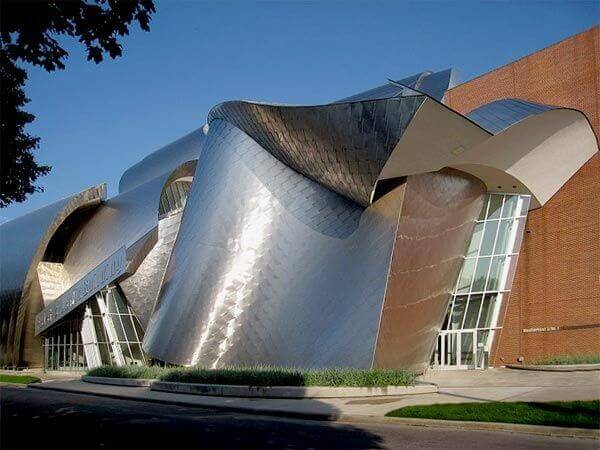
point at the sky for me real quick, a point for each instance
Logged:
(95, 121)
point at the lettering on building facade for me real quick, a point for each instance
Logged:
(109, 270)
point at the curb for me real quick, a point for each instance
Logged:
(239, 409)
(581, 433)
(282, 392)
(556, 368)
(297, 392)
(129, 382)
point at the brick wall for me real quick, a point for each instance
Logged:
(558, 275)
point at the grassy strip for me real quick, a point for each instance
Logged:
(264, 376)
(18, 379)
(559, 360)
(141, 372)
(580, 414)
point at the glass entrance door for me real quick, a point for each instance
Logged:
(457, 349)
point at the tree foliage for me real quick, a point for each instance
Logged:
(28, 32)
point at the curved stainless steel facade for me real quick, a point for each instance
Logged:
(342, 146)
(164, 160)
(312, 236)
(288, 273)
(23, 242)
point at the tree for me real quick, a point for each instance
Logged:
(27, 34)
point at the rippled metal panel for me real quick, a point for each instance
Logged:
(164, 160)
(270, 267)
(141, 289)
(435, 226)
(23, 242)
(342, 146)
(497, 116)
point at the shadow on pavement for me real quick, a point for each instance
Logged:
(50, 419)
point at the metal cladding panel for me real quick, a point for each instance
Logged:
(497, 116)
(342, 146)
(436, 84)
(23, 242)
(166, 159)
(435, 226)
(269, 267)
(141, 289)
(385, 91)
(121, 221)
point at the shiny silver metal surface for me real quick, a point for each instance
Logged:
(313, 236)
(163, 160)
(141, 289)
(29, 283)
(271, 267)
(121, 221)
(342, 146)
(497, 116)
(433, 84)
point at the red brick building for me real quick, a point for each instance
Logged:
(554, 304)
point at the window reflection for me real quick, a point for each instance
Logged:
(103, 330)
(489, 266)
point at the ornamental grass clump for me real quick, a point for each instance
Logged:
(560, 360)
(140, 372)
(264, 376)
(273, 376)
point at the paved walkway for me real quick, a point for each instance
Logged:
(454, 387)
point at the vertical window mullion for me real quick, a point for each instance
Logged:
(464, 317)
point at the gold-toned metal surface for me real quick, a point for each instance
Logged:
(435, 226)
(23, 242)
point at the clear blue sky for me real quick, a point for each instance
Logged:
(96, 120)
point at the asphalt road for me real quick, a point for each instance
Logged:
(48, 419)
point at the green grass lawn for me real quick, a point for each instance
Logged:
(18, 379)
(264, 376)
(558, 360)
(580, 414)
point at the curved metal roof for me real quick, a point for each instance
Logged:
(498, 115)
(342, 146)
(165, 159)
(434, 84)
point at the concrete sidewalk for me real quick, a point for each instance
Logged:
(455, 387)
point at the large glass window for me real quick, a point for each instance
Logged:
(173, 197)
(488, 269)
(63, 347)
(103, 331)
